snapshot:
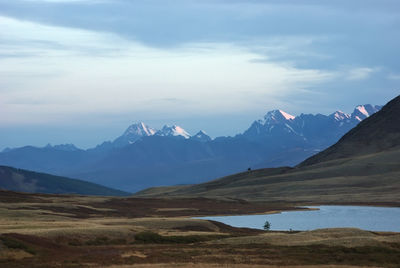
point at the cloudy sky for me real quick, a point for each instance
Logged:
(81, 71)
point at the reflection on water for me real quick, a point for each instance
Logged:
(367, 218)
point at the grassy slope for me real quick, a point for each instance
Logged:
(370, 178)
(34, 182)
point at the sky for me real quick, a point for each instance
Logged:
(82, 71)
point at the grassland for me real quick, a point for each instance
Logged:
(366, 179)
(78, 231)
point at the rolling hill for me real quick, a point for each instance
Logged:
(362, 167)
(33, 182)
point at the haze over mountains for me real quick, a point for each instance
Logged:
(142, 156)
(362, 167)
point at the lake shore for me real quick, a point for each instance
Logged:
(64, 230)
(382, 219)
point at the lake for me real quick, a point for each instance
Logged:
(366, 218)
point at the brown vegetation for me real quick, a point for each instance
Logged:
(80, 231)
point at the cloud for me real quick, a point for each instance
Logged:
(33, 39)
(361, 73)
(70, 72)
(394, 76)
(218, 56)
(85, 62)
(67, 1)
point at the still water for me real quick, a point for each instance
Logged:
(366, 218)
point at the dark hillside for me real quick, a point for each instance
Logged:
(33, 182)
(377, 133)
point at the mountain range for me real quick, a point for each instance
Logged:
(362, 167)
(143, 156)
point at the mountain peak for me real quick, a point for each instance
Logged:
(173, 131)
(140, 129)
(201, 136)
(68, 147)
(363, 111)
(133, 133)
(339, 115)
(277, 116)
(286, 115)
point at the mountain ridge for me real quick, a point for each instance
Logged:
(174, 157)
(387, 123)
(330, 177)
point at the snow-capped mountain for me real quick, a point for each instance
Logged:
(134, 133)
(143, 157)
(340, 116)
(275, 117)
(363, 111)
(306, 130)
(172, 131)
(201, 136)
(276, 125)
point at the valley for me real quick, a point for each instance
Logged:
(199, 134)
(156, 228)
(39, 230)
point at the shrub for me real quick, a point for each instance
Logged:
(149, 237)
(154, 238)
(103, 240)
(15, 244)
(267, 226)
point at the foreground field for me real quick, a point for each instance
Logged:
(79, 231)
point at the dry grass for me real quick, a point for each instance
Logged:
(14, 254)
(346, 237)
(133, 254)
(210, 265)
(91, 232)
(113, 227)
(367, 179)
(176, 209)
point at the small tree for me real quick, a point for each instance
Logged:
(267, 225)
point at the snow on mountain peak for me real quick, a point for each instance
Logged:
(173, 131)
(277, 116)
(140, 129)
(339, 116)
(133, 133)
(361, 109)
(286, 115)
